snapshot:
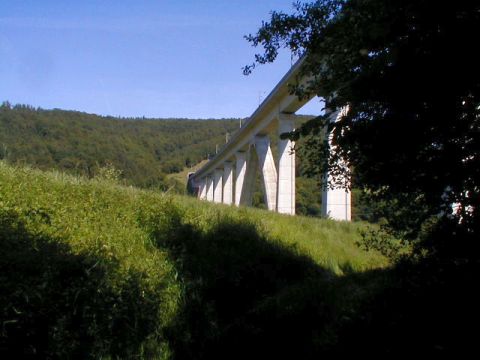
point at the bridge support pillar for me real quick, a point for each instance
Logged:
(209, 185)
(202, 191)
(269, 172)
(336, 203)
(217, 185)
(227, 183)
(250, 177)
(241, 168)
(286, 167)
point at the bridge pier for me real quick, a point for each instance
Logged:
(336, 203)
(217, 185)
(241, 169)
(209, 183)
(268, 171)
(286, 167)
(202, 192)
(227, 183)
(248, 189)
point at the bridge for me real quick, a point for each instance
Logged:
(230, 176)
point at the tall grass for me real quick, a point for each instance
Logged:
(92, 269)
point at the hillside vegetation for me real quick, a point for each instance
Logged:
(93, 269)
(144, 150)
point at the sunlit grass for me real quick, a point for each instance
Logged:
(331, 244)
(116, 225)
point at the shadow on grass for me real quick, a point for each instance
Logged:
(245, 296)
(248, 297)
(56, 304)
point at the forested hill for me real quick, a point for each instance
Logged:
(145, 150)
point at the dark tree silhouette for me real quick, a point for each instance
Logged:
(409, 75)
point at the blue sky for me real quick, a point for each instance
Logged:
(150, 58)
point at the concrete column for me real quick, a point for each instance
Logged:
(217, 185)
(336, 203)
(241, 169)
(202, 191)
(286, 167)
(250, 177)
(268, 171)
(209, 182)
(228, 183)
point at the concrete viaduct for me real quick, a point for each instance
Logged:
(230, 176)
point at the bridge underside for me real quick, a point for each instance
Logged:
(230, 177)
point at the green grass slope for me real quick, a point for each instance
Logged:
(92, 269)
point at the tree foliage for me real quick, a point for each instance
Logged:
(139, 151)
(408, 73)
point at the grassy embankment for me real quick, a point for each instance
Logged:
(90, 268)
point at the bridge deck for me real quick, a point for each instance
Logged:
(278, 101)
